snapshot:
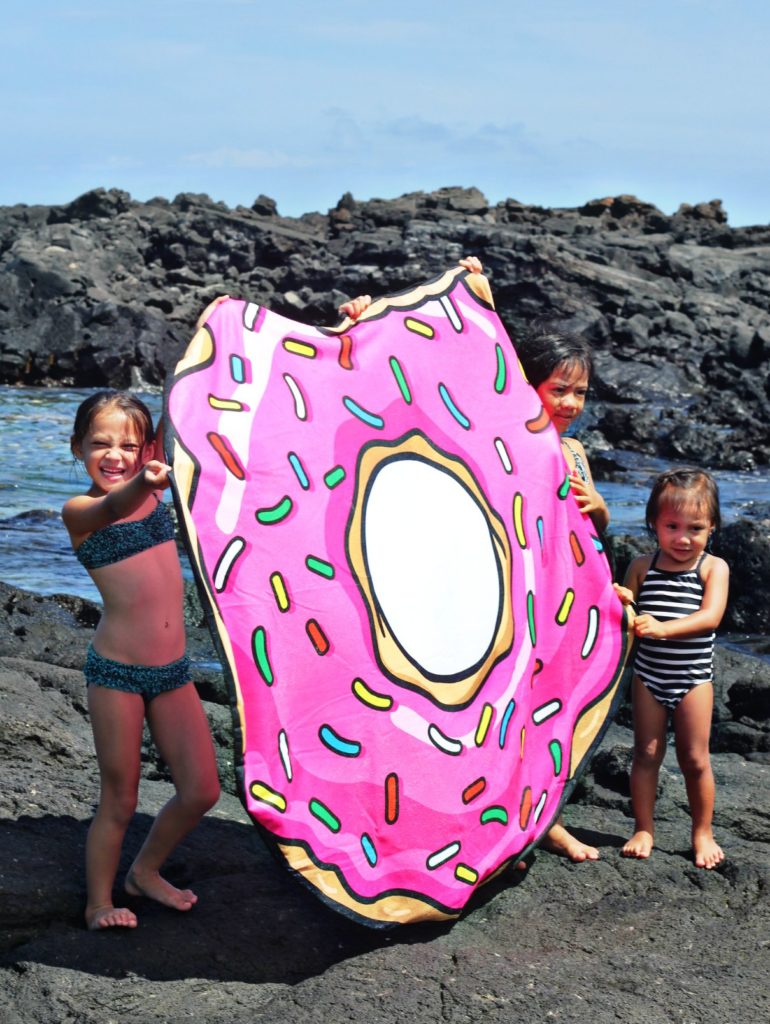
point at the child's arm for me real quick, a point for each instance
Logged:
(629, 592)
(85, 514)
(716, 578)
(588, 499)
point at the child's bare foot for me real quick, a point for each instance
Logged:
(154, 887)
(706, 851)
(559, 840)
(639, 845)
(109, 917)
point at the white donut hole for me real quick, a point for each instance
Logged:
(433, 566)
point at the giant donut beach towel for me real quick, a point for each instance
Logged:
(417, 625)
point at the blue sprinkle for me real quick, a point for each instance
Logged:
(446, 398)
(237, 369)
(348, 748)
(369, 851)
(367, 417)
(597, 544)
(540, 529)
(505, 721)
(298, 468)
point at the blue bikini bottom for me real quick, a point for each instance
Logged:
(147, 680)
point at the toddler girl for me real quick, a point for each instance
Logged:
(680, 593)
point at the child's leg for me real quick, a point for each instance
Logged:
(649, 747)
(117, 719)
(692, 728)
(559, 840)
(181, 733)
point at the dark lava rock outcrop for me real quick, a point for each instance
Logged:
(105, 290)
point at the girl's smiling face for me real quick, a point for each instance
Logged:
(563, 394)
(683, 530)
(113, 451)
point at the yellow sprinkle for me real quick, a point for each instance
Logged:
(227, 404)
(279, 589)
(521, 742)
(518, 519)
(299, 348)
(268, 796)
(465, 874)
(483, 726)
(418, 327)
(367, 696)
(563, 613)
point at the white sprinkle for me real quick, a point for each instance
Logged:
(545, 711)
(452, 314)
(299, 402)
(283, 750)
(250, 315)
(593, 627)
(505, 458)
(229, 555)
(438, 739)
(442, 856)
(540, 805)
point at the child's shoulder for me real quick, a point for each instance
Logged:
(714, 564)
(642, 562)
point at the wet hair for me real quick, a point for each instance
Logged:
(681, 487)
(134, 408)
(549, 344)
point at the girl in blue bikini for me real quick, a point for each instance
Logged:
(136, 666)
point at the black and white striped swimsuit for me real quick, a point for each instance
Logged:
(671, 668)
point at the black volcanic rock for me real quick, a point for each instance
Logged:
(605, 941)
(104, 291)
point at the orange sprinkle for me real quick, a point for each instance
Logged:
(391, 798)
(317, 636)
(577, 551)
(226, 454)
(346, 349)
(539, 423)
(525, 808)
(475, 789)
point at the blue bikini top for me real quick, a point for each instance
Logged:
(117, 541)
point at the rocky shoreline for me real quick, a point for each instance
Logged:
(640, 942)
(105, 290)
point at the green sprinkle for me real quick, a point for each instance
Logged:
(398, 373)
(564, 489)
(494, 814)
(276, 513)
(555, 748)
(259, 646)
(531, 616)
(320, 567)
(502, 374)
(324, 815)
(334, 476)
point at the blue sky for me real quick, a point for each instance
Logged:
(552, 102)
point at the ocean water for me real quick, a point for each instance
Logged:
(38, 474)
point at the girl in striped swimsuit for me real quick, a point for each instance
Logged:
(680, 593)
